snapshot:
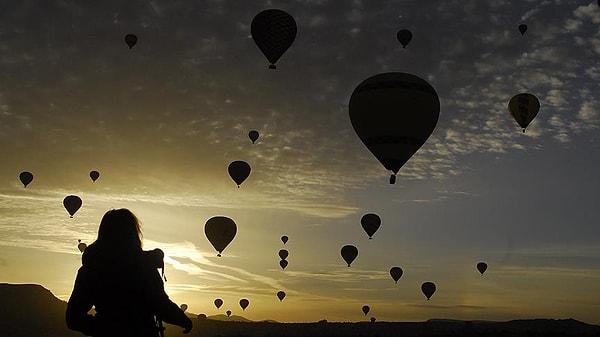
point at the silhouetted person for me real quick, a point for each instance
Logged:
(122, 282)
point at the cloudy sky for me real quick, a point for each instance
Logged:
(162, 121)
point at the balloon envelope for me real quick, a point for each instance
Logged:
(239, 171)
(244, 303)
(482, 267)
(72, 203)
(280, 295)
(523, 108)
(393, 114)
(218, 303)
(81, 246)
(370, 223)
(284, 239)
(283, 264)
(349, 253)
(183, 307)
(228, 312)
(428, 288)
(94, 175)
(522, 29)
(220, 231)
(273, 31)
(283, 254)
(253, 135)
(366, 309)
(131, 40)
(396, 273)
(404, 36)
(26, 178)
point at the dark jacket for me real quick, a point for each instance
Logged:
(126, 291)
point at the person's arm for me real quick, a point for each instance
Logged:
(79, 305)
(164, 308)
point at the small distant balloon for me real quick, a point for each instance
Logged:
(428, 288)
(94, 175)
(184, 307)
(280, 295)
(228, 312)
(26, 178)
(131, 40)
(349, 253)
(253, 135)
(373, 319)
(201, 317)
(72, 204)
(283, 264)
(220, 231)
(81, 246)
(239, 171)
(396, 273)
(404, 36)
(283, 254)
(366, 309)
(482, 267)
(244, 303)
(218, 303)
(273, 31)
(523, 108)
(522, 29)
(284, 239)
(370, 223)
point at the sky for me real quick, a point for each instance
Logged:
(162, 121)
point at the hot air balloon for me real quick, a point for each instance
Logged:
(228, 312)
(218, 303)
(220, 231)
(283, 264)
(522, 29)
(349, 253)
(482, 267)
(94, 175)
(72, 203)
(201, 317)
(396, 273)
(253, 135)
(393, 114)
(370, 223)
(373, 319)
(428, 288)
(283, 254)
(244, 303)
(131, 40)
(284, 239)
(523, 108)
(81, 246)
(239, 171)
(183, 307)
(273, 31)
(280, 295)
(366, 309)
(26, 178)
(404, 36)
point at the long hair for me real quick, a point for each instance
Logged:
(120, 229)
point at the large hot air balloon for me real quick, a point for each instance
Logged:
(72, 203)
(183, 307)
(94, 175)
(393, 114)
(404, 36)
(283, 264)
(284, 239)
(370, 223)
(253, 135)
(244, 303)
(131, 40)
(482, 267)
(26, 178)
(396, 273)
(239, 171)
(349, 253)
(366, 309)
(523, 108)
(283, 254)
(220, 231)
(428, 288)
(273, 31)
(81, 246)
(522, 28)
(280, 295)
(218, 303)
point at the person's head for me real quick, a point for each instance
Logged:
(120, 229)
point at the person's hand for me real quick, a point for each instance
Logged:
(188, 327)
